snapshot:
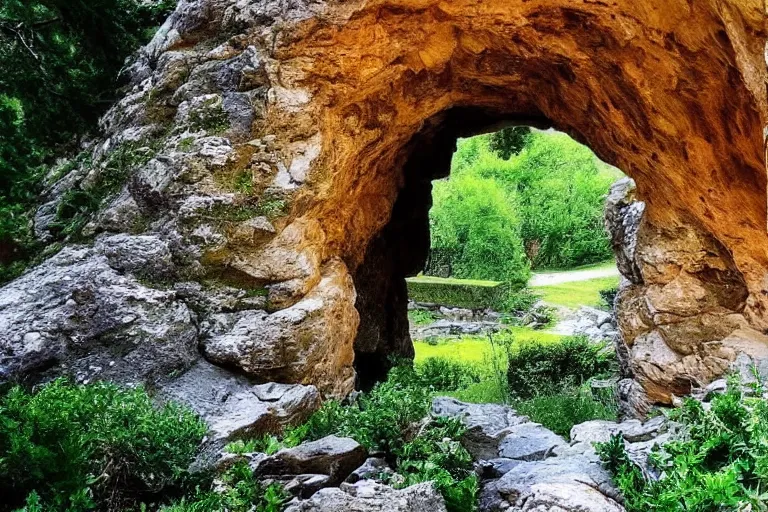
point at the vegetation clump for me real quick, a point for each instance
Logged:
(719, 462)
(518, 199)
(536, 369)
(76, 448)
(389, 419)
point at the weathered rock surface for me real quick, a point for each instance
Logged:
(235, 408)
(368, 496)
(487, 424)
(78, 314)
(336, 457)
(290, 148)
(526, 467)
(683, 306)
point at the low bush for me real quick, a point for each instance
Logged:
(238, 491)
(76, 448)
(560, 411)
(443, 374)
(541, 369)
(718, 463)
(464, 293)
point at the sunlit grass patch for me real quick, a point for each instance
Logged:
(576, 293)
(478, 349)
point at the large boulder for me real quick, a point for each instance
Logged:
(682, 307)
(336, 457)
(235, 408)
(487, 424)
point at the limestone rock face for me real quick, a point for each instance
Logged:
(283, 152)
(682, 308)
(76, 311)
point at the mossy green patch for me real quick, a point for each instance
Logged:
(478, 349)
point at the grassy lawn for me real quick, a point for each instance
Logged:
(476, 349)
(610, 264)
(576, 293)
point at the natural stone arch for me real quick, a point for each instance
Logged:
(336, 108)
(673, 94)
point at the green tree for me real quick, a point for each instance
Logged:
(560, 188)
(509, 141)
(475, 221)
(61, 60)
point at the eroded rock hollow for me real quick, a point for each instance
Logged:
(289, 149)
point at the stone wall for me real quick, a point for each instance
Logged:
(273, 142)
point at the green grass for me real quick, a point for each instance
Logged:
(476, 349)
(452, 280)
(576, 293)
(605, 265)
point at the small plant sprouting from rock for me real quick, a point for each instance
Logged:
(80, 202)
(210, 117)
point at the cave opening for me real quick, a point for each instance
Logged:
(405, 248)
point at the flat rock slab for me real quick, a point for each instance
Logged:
(487, 424)
(529, 441)
(368, 496)
(334, 456)
(235, 408)
(633, 431)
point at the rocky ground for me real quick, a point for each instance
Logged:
(523, 466)
(597, 325)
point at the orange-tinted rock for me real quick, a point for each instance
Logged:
(338, 109)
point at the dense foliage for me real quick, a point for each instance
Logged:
(509, 141)
(719, 463)
(476, 227)
(536, 369)
(238, 490)
(60, 61)
(542, 206)
(76, 448)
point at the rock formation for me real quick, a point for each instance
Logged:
(682, 308)
(273, 162)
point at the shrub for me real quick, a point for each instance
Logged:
(239, 491)
(543, 369)
(719, 462)
(560, 411)
(72, 447)
(442, 374)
